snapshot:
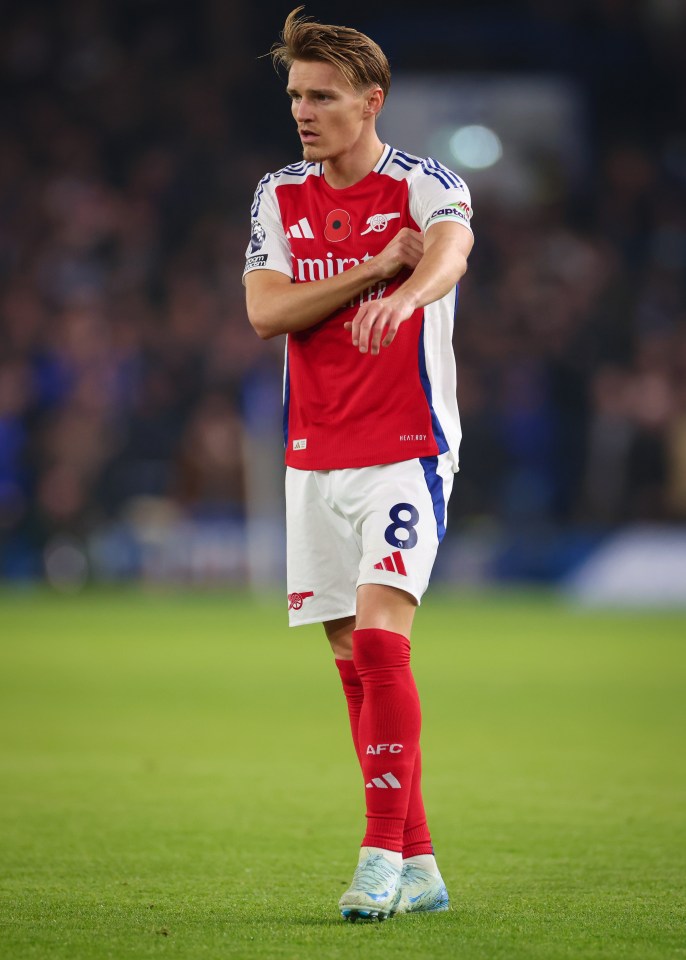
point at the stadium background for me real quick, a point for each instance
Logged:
(139, 413)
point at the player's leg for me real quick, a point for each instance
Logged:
(394, 610)
(410, 502)
(416, 882)
(388, 740)
(375, 888)
(391, 720)
(340, 635)
(416, 838)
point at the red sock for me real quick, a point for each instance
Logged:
(354, 695)
(416, 836)
(388, 732)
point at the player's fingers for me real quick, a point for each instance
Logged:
(368, 328)
(381, 322)
(377, 333)
(390, 334)
(375, 338)
(355, 325)
(363, 337)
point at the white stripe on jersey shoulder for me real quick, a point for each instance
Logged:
(404, 166)
(293, 173)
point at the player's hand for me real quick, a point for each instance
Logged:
(404, 250)
(379, 319)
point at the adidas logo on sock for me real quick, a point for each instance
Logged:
(394, 563)
(391, 781)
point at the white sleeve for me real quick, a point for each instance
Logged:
(268, 248)
(436, 194)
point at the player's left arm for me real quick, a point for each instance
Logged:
(446, 247)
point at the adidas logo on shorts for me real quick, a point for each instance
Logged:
(394, 563)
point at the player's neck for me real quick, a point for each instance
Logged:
(349, 168)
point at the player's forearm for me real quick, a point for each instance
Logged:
(289, 308)
(436, 274)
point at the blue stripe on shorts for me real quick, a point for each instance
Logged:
(435, 485)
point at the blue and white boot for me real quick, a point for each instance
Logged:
(375, 889)
(422, 887)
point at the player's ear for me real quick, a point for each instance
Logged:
(374, 101)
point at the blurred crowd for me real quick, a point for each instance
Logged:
(132, 139)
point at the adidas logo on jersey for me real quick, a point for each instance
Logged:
(394, 563)
(300, 230)
(390, 781)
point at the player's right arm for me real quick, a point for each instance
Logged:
(278, 305)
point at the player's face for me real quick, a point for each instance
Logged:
(329, 114)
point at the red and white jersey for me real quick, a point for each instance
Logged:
(343, 408)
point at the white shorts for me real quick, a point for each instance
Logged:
(377, 524)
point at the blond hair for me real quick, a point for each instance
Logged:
(361, 61)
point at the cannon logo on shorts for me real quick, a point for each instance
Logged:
(295, 600)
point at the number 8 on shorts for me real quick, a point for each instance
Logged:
(401, 532)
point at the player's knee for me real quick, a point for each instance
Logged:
(376, 649)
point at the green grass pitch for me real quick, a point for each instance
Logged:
(178, 781)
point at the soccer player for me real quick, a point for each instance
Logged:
(355, 255)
